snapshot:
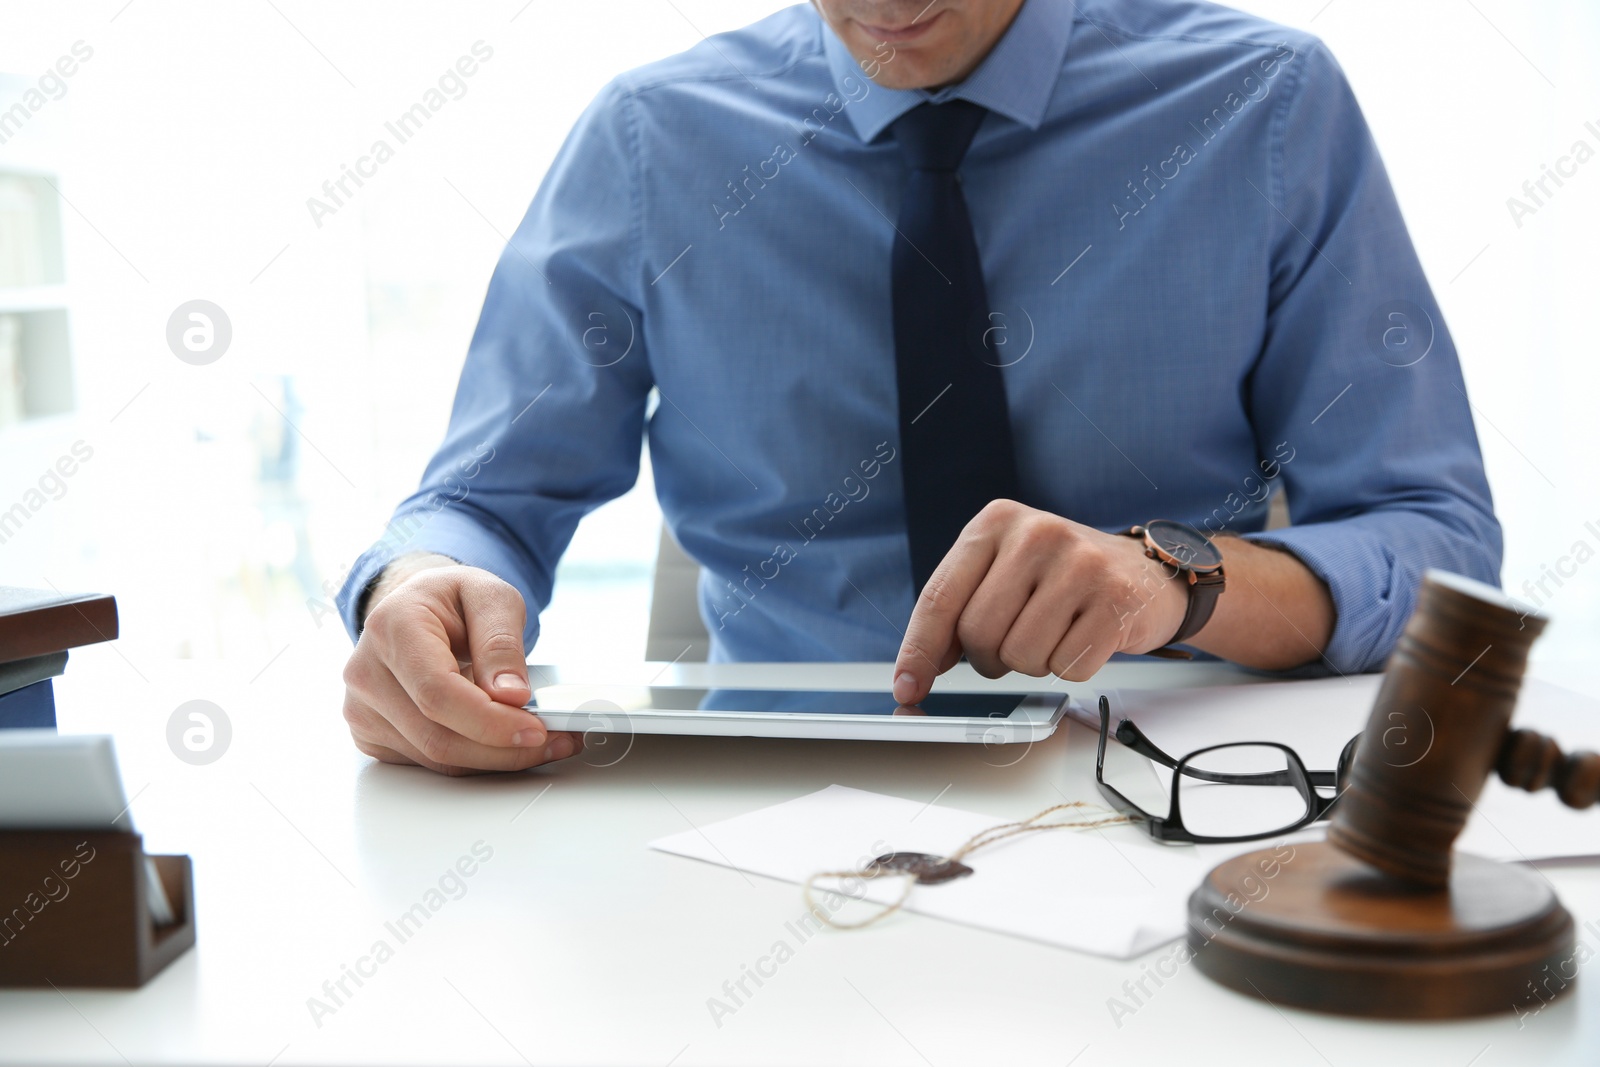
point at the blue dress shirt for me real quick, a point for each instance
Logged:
(1199, 278)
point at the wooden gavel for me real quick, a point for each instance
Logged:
(1384, 918)
(1451, 685)
(1532, 761)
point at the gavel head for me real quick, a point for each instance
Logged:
(1436, 729)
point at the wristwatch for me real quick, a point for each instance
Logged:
(1189, 553)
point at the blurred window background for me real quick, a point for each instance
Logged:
(156, 154)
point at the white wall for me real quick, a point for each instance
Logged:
(189, 143)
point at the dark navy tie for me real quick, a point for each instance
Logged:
(955, 433)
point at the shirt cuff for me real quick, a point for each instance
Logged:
(1373, 590)
(449, 532)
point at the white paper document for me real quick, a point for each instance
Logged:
(1112, 892)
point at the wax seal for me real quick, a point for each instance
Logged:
(928, 870)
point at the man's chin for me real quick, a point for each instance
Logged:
(910, 83)
(911, 76)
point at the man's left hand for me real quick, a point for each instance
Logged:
(1025, 590)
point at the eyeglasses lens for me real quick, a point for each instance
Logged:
(1238, 790)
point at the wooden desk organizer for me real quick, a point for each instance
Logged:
(74, 910)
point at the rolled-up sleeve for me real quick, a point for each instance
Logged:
(1358, 381)
(549, 414)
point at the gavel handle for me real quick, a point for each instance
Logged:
(1532, 761)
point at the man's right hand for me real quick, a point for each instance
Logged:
(438, 676)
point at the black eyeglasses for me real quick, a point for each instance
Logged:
(1208, 805)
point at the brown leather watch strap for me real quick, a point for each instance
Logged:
(1204, 591)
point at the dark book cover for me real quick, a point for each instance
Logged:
(35, 622)
(20, 673)
(33, 707)
(36, 629)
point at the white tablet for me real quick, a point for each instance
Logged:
(980, 718)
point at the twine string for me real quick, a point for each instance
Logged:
(981, 839)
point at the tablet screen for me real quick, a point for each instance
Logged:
(787, 701)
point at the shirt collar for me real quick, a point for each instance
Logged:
(1016, 78)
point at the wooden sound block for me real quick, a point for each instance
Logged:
(82, 914)
(1313, 927)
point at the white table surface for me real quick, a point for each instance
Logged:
(577, 944)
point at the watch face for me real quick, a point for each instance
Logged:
(1184, 544)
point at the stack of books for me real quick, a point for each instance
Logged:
(36, 630)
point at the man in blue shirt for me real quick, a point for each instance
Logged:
(942, 299)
